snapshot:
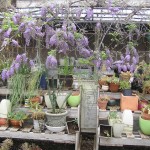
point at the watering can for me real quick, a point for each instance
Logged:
(5, 108)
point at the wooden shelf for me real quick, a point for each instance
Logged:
(137, 139)
(58, 138)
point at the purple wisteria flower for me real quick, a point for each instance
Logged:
(18, 59)
(51, 62)
(22, 27)
(27, 36)
(17, 66)
(89, 13)
(5, 42)
(53, 40)
(78, 13)
(7, 33)
(31, 62)
(15, 43)
(12, 71)
(98, 25)
(43, 11)
(85, 52)
(3, 74)
(8, 74)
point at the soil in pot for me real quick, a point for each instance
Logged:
(72, 127)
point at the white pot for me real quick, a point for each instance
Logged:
(127, 117)
(55, 129)
(118, 129)
(60, 99)
(105, 87)
(38, 124)
(5, 108)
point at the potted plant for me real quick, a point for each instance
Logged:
(112, 117)
(102, 101)
(125, 86)
(144, 120)
(114, 83)
(17, 118)
(55, 117)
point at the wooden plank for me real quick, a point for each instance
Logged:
(27, 128)
(144, 136)
(58, 138)
(3, 128)
(104, 141)
(130, 135)
(12, 129)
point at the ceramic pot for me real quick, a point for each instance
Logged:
(74, 99)
(144, 126)
(38, 124)
(56, 120)
(5, 107)
(113, 87)
(60, 100)
(102, 104)
(127, 92)
(55, 129)
(105, 88)
(118, 129)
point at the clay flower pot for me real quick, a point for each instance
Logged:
(113, 87)
(15, 123)
(102, 104)
(35, 99)
(3, 122)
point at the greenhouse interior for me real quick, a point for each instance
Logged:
(74, 74)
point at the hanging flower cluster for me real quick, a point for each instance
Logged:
(67, 38)
(22, 64)
(128, 61)
(16, 24)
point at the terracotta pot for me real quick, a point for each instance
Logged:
(15, 123)
(102, 104)
(35, 99)
(145, 116)
(113, 87)
(3, 122)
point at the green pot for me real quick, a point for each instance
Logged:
(74, 101)
(144, 126)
